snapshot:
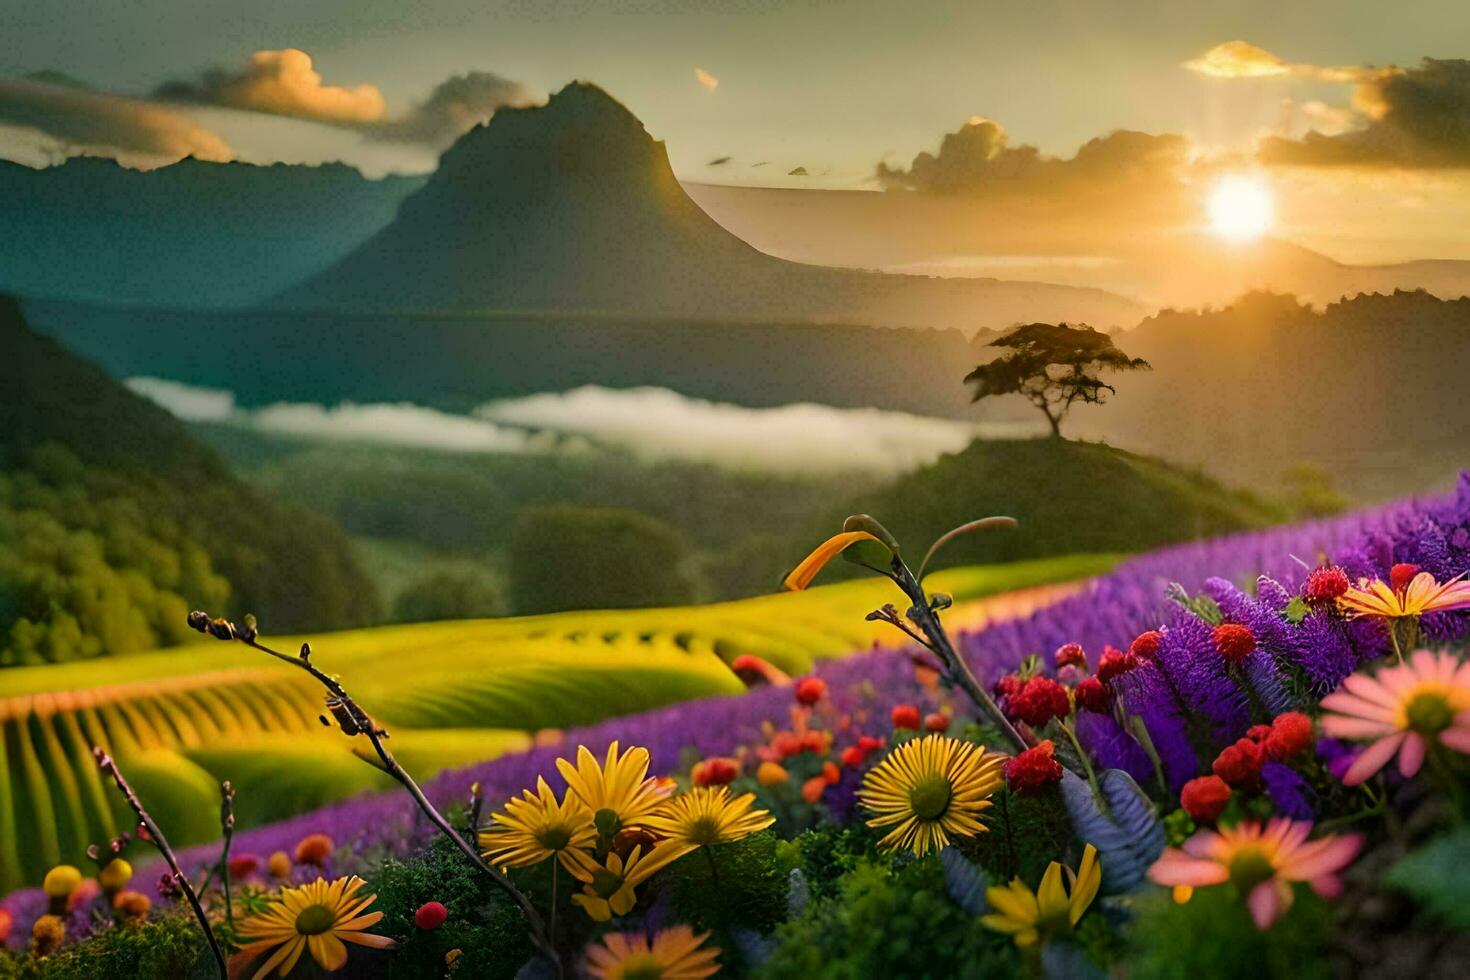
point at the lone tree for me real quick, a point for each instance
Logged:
(1053, 366)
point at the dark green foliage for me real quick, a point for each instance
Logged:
(1070, 497)
(828, 853)
(1212, 936)
(1434, 876)
(889, 922)
(166, 948)
(754, 877)
(1053, 366)
(448, 595)
(114, 522)
(1026, 834)
(595, 558)
(488, 929)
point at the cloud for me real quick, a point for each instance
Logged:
(456, 106)
(1241, 59)
(1409, 118)
(704, 78)
(279, 83)
(978, 158)
(658, 424)
(651, 424)
(81, 120)
(401, 424)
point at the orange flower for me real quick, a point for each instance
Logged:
(1262, 862)
(314, 849)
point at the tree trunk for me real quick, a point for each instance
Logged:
(1056, 425)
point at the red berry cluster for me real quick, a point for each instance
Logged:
(1113, 663)
(1033, 770)
(1325, 586)
(1205, 798)
(1289, 736)
(1145, 646)
(906, 716)
(1070, 655)
(810, 690)
(716, 771)
(857, 754)
(1400, 575)
(1037, 700)
(1234, 641)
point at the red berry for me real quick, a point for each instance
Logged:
(853, 756)
(1234, 641)
(786, 744)
(1291, 735)
(869, 744)
(431, 915)
(1038, 701)
(814, 741)
(1070, 655)
(1205, 798)
(1145, 646)
(1033, 770)
(1240, 764)
(1325, 585)
(1008, 685)
(1091, 695)
(907, 716)
(1400, 575)
(1113, 663)
(1258, 733)
(937, 722)
(243, 865)
(810, 690)
(716, 771)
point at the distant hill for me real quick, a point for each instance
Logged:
(1068, 496)
(956, 236)
(114, 521)
(190, 235)
(572, 207)
(1371, 389)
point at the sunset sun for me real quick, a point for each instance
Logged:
(1240, 209)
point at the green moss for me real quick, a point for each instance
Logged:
(1212, 935)
(1026, 834)
(167, 948)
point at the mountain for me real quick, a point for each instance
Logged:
(114, 521)
(958, 236)
(572, 207)
(191, 235)
(1068, 497)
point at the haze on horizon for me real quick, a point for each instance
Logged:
(1062, 129)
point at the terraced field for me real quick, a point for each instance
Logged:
(452, 693)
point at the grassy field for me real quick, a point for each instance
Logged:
(452, 693)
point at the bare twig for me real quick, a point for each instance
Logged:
(354, 721)
(108, 767)
(227, 827)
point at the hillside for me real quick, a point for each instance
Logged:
(1068, 496)
(192, 235)
(113, 520)
(573, 207)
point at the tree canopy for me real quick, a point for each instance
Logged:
(1053, 366)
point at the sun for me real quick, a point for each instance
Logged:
(1241, 209)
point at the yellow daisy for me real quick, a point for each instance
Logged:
(1053, 907)
(619, 793)
(709, 815)
(607, 887)
(931, 788)
(1421, 595)
(318, 917)
(535, 826)
(672, 954)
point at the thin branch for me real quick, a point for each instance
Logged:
(227, 826)
(354, 721)
(105, 763)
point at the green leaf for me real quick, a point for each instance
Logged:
(866, 522)
(983, 524)
(1296, 610)
(1434, 876)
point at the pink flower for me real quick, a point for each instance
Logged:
(1262, 862)
(1403, 709)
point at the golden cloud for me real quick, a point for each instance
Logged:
(281, 83)
(704, 78)
(135, 131)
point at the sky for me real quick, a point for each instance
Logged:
(800, 94)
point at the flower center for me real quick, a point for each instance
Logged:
(704, 831)
(929, 796)
(554, 837)
(315, 920)
(607, 822)
(605, 883)
(642, 966)
(1429, 713)
(1249, 867)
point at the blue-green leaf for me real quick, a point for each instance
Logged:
(1434, 875)
(964, 881)
(1129, 837)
